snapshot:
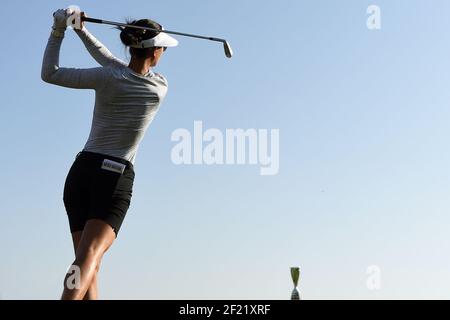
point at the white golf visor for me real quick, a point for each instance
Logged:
(161, 40)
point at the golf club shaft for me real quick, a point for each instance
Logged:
(93, 20)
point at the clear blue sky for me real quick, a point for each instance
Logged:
(364, 161)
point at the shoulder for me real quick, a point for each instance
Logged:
(161, 78)
(116, 72)
(107, 69)
(108, 72)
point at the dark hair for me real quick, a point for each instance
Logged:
(132, 36)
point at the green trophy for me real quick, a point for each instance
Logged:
(295, 274)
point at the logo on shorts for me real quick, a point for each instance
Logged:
(113, 166)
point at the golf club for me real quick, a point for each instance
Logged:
(226, 45)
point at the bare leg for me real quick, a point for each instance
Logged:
(95, 240)
(92, 293)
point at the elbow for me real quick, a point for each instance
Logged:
(48, 71)
(46, 76)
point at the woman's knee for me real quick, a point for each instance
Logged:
(91, 254)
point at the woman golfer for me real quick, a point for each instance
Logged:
(99, 185)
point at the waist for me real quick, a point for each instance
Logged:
(100, 157)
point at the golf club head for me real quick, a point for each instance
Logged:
(295, 273)
(228, 50)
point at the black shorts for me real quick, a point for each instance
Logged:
(98, 187)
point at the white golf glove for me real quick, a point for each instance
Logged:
(63, 17)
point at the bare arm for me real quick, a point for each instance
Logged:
(98, 51)
(94, 78)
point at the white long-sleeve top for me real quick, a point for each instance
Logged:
(125, 101)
